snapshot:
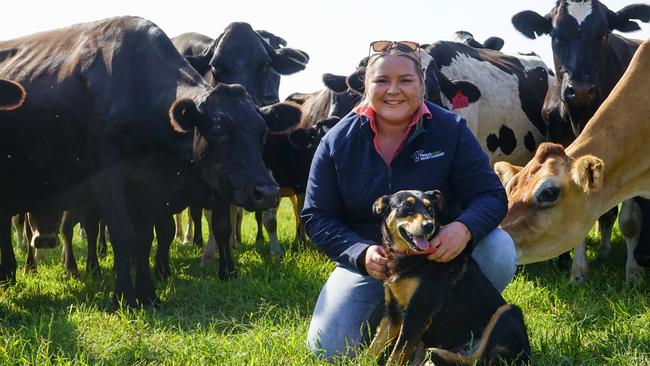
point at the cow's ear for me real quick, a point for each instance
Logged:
(532, 24)
(438, 202)
(184, 116)
(494, 43)
(287, 61)
(587, 173)
(12, 95)
(355, 81)
(380, 207)
(622, 20)
(505, 171)
(302, 138)
(280, 117)
(468, 89)
(335, 83)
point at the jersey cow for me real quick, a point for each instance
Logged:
(589, 60)
(116, 113)
(556, 197)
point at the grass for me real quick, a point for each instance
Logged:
(262, 316)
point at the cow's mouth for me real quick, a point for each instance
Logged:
(416, 242)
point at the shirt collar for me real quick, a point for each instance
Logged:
(367, 111)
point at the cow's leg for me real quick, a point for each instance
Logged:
(235, 224)
(189, 235)
(630, 222)
(89, 219)
(642, 250)
(110, 196)
(269, 218)
(579, 267)
(221, 226)
(196, 213)
(31, 255)
(606, 224)
(301, 235)
(102, 248)
(178, 218)
(19, 226)
(69, 262)
(164, 235)
(144, 288)
(7, 259)
(210, 250)
(259, 235)
(238, 221)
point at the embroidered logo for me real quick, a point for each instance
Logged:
(420, 155)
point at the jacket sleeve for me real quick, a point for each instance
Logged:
(323, 211)
(477, 187)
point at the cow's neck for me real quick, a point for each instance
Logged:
(618, 134)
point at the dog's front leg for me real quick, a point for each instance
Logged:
(386, 332)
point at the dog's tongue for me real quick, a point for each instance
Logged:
(421, 242)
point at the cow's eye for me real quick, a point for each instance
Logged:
(547, 196)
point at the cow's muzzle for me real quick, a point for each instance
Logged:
(45, 241)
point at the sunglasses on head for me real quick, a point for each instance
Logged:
(404, 46)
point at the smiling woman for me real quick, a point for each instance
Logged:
(395, 141)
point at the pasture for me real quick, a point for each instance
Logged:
(262, 316)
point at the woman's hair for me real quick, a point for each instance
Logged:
(371, 69)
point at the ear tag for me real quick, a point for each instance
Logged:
(459, 101)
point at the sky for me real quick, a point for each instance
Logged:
(335, 33)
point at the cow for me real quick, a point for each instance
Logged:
(589, 60)
(116, 114)
(499, 95)
(254, 59)
(556, 197)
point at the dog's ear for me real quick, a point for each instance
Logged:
(380, 207)
(437, 201)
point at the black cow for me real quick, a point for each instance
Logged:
(254, 59)
(115, 113)
(589, 60)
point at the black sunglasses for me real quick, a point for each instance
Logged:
(384, 46)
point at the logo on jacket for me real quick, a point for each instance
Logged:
(420, 155)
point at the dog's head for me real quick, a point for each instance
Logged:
(410, 218)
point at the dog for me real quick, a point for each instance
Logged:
(452, 308)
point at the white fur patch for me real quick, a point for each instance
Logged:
(499, 105)
(579, 10)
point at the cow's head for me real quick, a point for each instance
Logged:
(309, 137)
(12, 95)
(343, 99)
(43, 225)
(229, 134)
(580, 34)
(253, 59)
(552, 190)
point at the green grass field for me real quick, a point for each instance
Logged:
(261, 318)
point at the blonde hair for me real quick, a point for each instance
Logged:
(371, 69)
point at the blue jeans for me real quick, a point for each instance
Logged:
(350, 305)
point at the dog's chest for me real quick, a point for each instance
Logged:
(401, 290)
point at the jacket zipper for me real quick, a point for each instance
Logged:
(390, 179)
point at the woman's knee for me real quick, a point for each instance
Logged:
(497, 257)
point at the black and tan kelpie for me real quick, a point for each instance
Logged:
(452, 308)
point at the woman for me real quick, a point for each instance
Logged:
(393, 141)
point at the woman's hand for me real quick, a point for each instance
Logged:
(450, 241)
(377, 265)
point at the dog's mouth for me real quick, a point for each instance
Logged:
(416, 242)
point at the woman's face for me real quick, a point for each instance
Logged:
(394, 90)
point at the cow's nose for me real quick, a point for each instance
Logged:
(44, 241)
(266, 195)
(580, 93)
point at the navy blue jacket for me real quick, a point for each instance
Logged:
(347, 175)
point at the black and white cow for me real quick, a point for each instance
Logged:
(589, 60)
(120, 116)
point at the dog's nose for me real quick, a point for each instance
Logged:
(428, 227)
